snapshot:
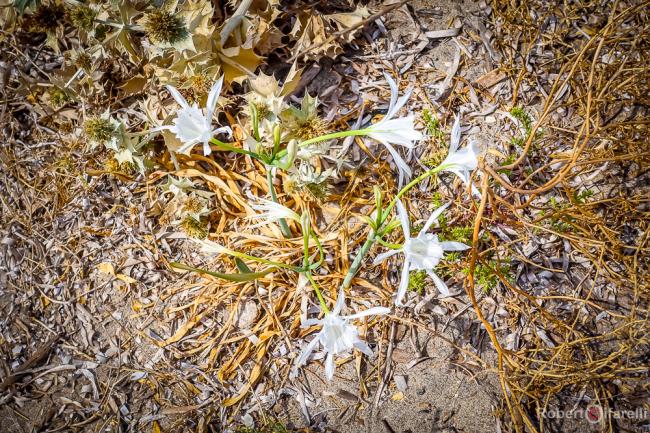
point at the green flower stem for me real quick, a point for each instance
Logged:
(411, 184)
(284, 227)
(319, 295)
(227, 146)
(389, 245)
(325, 137)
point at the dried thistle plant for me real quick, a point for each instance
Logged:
(165, 28)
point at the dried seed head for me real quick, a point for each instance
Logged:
(163, 27)
(83, 61)
(194, 228)
(193, 205)
(46, 18)
(99, 130)
(82, 17)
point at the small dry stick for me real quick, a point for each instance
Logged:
(343, 32)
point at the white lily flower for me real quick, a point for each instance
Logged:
(422, 252)
(463, 161)
(193, 125)
(271, 212)
(337, 335)
(401, 131)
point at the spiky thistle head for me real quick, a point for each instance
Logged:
(164, 28)
(82, 17)
(99, 130)
(46, 18)
(194, 228)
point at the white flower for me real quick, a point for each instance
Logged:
(423, 252)
(271, 212)
(462, 161)
(193, 125)
(389, 131)
(337, 335)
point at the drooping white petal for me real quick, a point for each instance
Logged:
(383, 256)
(206, 148)
(222, 130)
(403, 284)
(433, 218)
(304, 355)
(393, 91)
(402, 166)
(402, 101)
(363, 347)
(403, 219)
(369, 312)
(454, 140)
(329, 366)
(213, 97)
(454, 246)
(440, 285)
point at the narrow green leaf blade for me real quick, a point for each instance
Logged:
(237, 278)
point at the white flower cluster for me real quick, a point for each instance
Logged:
(423, 252)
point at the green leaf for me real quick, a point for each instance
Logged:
(242, 266)
(238, 278)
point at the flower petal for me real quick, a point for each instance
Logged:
(340, 302)
(177, 96)
(213, 97)
(400, 102)
(402, 166)
(403, 219)
(223, 129)
(440, 285)
(329, 366)
(454, 246)
(433, 218)
(393, 92)
(383, 256)
(363, 347)
(403, 285)
(307, 351)
(369, 312)
(454, 140)
(206, 148)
